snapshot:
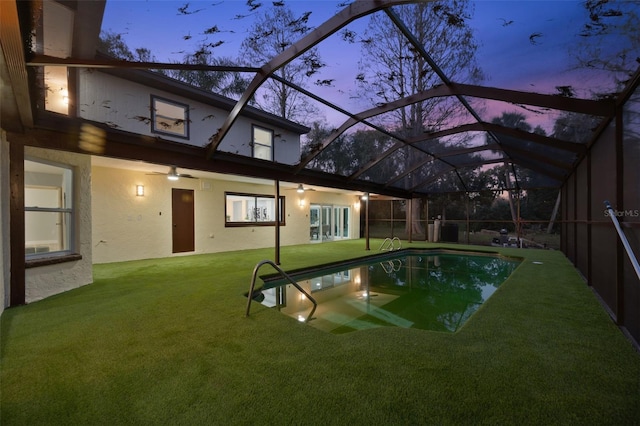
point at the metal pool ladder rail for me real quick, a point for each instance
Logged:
(288, 278)
(623, 238)
(390, 266)
(389, 244)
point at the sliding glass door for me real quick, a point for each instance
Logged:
(329, 223)
(341, 222)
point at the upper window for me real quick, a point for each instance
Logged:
(262, 143)
(169, 117)
(252, 209)
(49, 214)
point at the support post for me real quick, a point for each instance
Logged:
(426, 228)
(555, 211)
(467, 203)
(366, 222)
(622, 244)
(278, 212)
(518, 224)
(17, 284)
(410, 219)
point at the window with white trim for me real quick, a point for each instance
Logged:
(169, 117)
(262, 142)
(49, 214)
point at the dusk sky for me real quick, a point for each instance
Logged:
(524, 45)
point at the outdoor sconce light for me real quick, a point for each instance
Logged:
(140, 190)
(301, 202)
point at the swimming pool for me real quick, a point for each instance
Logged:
(431, 290)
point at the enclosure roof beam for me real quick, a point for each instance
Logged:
(57, 132)
(376, 160)
(524, 164)
(507, 131)
(584, 106)
(537, 169)
(108, 63)
(15, 113)
(448, 153)
(537, 157)
(350, 13)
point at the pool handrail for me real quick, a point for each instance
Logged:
(391, 265)
(623, 238)
(287, 277)
(391, 244)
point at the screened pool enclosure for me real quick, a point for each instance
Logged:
(417, 105)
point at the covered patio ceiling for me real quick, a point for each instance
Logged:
(537, 91)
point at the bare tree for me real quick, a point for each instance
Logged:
(113, 44)
(392, 68)
(610, 40)
(226, 83)
(274, 30)
(514, 120)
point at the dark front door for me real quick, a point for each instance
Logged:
(182, 207)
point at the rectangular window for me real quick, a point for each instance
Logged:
(262, 142)
(49, 215)
(169, 117)
(251, 210)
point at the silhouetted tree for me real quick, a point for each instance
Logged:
(611, 38)
(514, 120)
(113, 44)
(393, 68)
(275, 29)
(226, 83)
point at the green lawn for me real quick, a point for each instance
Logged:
(165, 341)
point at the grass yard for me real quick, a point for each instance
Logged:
(165, 341)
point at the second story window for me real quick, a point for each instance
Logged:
(262, 143)
(169, 117)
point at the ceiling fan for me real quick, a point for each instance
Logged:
(300, 189)
(173, 174)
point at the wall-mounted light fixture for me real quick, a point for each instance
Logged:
(301, 203)
(140, 190)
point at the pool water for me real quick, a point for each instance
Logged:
(411, 289)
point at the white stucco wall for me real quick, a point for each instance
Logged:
(127, 227)
(4, 222)
(44, 281)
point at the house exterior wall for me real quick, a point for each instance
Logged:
(127, 227)
(44, 281)
(126, 105)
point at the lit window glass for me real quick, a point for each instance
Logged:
(48, 208)
(262, 143)
(168, 117)
(250, 210)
